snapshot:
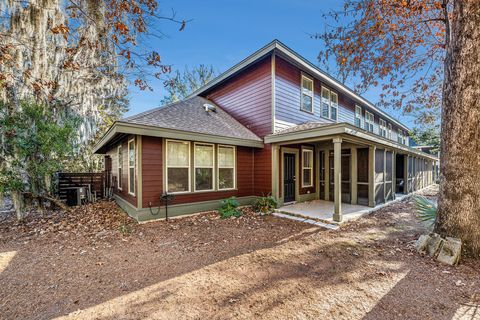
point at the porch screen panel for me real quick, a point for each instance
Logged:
(379, 176)
(362, 176)
(346, 191)
(388, 176)
(322, 175)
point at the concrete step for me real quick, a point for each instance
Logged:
(306, 220)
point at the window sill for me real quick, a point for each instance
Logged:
(306, 111)
(202, 191)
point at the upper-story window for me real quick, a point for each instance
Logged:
(400, 136)
(358, 116)
(329, 104)
(389, 135)
(369, 121)
(307, 94)
(383, 128)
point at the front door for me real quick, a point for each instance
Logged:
(288, 177)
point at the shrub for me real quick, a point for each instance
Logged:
(426, 210)
(228, 208)
(265, 204)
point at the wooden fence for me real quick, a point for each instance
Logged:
(94, 180)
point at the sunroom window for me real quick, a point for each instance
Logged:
(307, 94)
(226, 167)
(178, 166)
(131, 167)
(119, 166)
(329, 104)
(204, 164)
(307, 168)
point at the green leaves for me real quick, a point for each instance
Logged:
(426, 210)
(228, 208)
(265, 204)
(38, 142)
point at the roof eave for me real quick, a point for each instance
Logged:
(339, 129)
(139, 129)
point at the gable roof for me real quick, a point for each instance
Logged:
(190, 115)
(278, 46)
(186, 120)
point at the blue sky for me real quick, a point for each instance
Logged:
(222, 33)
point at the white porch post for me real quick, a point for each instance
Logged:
(353, 175)
(371, 176)
(337, 158)
(405, 174)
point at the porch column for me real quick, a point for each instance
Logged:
(371, 176)
(405, 174)
(337, 180)
(326, 155)
(394, 174)
(353, 175)
(276, 171)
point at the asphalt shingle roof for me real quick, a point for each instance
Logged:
(190, 115)
(303, 126)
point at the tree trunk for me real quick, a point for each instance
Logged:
(459, 201)
(18, 204)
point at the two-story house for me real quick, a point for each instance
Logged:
(274, 123)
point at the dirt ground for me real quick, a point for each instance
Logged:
(96, 263)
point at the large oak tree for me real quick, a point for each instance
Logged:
(424, 55)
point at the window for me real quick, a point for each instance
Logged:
(204, 164)
(383, 128)
(178, 166)
(369, 121)
(307, 168)
(226, 167)
(329, 104)
(131, 167)
(400, 136)
(307, 94)
(390, 131)
(119, 166)
(358, 116)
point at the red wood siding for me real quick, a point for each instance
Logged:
(248, 97)
(263, 170)
(152, 170)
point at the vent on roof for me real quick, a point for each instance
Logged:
(209, 108)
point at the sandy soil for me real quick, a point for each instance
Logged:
(203, 267)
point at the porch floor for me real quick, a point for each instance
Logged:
(323, 210)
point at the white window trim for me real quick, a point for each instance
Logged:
(119, 185)
(330, 104)
(382, 127)
(129, 167)
(312, 94)
(367, 120)
(195, 167)
(359, 116)
(189, 166)
(309, 151)
(234, 167)
(389, 132)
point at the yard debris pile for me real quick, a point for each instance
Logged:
(92, 220)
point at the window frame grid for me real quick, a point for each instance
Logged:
(203, 167)
(119, 167)
(234, 167)
(189, 166)
(303, 92)
(358, 116)
(309, 151)
(131, 141)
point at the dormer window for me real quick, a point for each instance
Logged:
(329, 104)
(369, 121)
(307, 94)
(383, 128)
(358, 116)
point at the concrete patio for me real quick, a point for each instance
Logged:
(322, 210)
